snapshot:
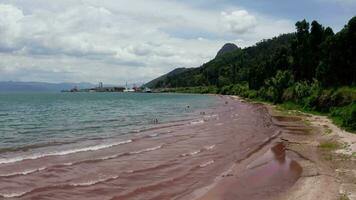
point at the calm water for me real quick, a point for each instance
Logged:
(33, 120)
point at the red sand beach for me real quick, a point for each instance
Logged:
(229, 152)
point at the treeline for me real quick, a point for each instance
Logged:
(313, 68)
(313, 52)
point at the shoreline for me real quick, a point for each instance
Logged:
(327, 172)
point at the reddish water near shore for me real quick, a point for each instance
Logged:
(168, 162)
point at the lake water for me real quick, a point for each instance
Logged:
(34, 120)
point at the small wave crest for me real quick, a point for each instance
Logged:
(211, 117)
(210, 147)
(206, 164)
(206, 148)
(191, 153)
(25, 172)
(146, 150)
(197, 122)
(13, 194)
(62, 153)
(154, 135)
(93, 182)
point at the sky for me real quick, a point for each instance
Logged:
(118, 41)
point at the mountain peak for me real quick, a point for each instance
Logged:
(228, 47)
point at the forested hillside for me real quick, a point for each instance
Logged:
(313, 68)
(313, 52)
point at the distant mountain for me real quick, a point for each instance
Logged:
(160, 81)
(11, 86)
(227, 48)
(231, 65)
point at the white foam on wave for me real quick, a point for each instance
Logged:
(154, 135)
(191, 153)
(206, 148)
(109, 157)
(210, 147)
(207, 163)
(146, 150)
(13, 194)
(62, 153)
(26, 172)
(195, 153)
(197, 122)
(211, 117)
(93, 182)
(67, 164)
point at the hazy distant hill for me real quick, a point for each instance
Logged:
(11, 86)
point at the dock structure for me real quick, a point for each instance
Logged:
(102, 88)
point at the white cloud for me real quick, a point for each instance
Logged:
(116, 40)
(10, 28)
(239, 21)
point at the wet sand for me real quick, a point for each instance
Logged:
(264, 178)
(231, 152)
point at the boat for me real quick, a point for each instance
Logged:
(147, 90)
(129, 90)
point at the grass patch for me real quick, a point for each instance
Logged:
(343, 197)
(345, 116)
(328, 131)
(330, 146)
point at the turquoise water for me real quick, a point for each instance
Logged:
(30, 120)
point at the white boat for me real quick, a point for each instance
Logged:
(129, 90)
(147, 90)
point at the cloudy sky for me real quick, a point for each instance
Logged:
(115, 41)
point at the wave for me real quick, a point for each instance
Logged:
(110, 157)
(13, 194)
(211, 117)
(206, 164)
(62, 153)
(26, 172)
(190, 154)
(33, 146)
(206, 148)
(150, 169)
(146, 150)
(154, 135)
(210, 147)
(80, 184)
(197, 122)
(93, 182)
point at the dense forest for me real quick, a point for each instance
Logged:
(313, 68)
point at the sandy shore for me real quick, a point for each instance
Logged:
(325, 153)
(328, 172)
